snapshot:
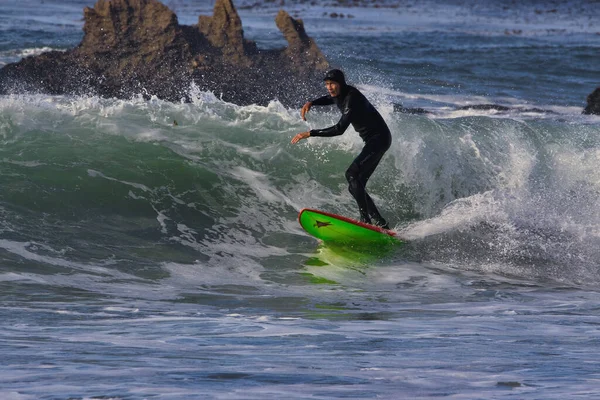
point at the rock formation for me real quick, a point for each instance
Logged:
(133, 47)
(302, 50)
(593, 103)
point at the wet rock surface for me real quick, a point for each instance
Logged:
(133, 47)
(593, 103)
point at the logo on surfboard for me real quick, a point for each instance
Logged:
(320, 224)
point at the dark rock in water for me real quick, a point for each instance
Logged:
(509, 384)
(593, 103)
(224, 33)
(401, 109)
(133, 47)
(496, 107)
(484, 107)
(301, 50)
(537, 111)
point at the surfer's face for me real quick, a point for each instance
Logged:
(333, 88)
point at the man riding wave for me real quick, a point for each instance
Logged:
(371, 127)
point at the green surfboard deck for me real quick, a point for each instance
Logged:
(334, 228)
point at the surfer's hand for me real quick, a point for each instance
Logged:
(305, 109)
(300, 136)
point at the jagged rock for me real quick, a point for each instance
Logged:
(128, 26)
(593, 103)
(135, 47)
(241, 73)
(301, 50)
(224, 31)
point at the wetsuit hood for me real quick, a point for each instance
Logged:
(337, 76)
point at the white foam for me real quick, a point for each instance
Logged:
(7, 395)
(258, 182)
(97, 174)
(459, 214)
(571, 165)
(14, 55)
(37, 51)
(27, 164)
(446, 105)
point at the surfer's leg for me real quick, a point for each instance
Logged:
(357, 176)
(357, 190)
(375, 215)
(359, 173)
(372, 210)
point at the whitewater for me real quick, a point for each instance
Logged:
(150, 250)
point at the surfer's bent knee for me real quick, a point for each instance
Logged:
(352, 173)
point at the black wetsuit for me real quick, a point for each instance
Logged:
(371, 127)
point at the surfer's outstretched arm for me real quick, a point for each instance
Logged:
(305, 109)
(321, 101)
(300, 136)
(334, 130)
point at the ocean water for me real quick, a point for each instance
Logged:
(150, 250)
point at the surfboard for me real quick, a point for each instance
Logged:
(335, 228)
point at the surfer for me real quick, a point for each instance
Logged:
(371, 127)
